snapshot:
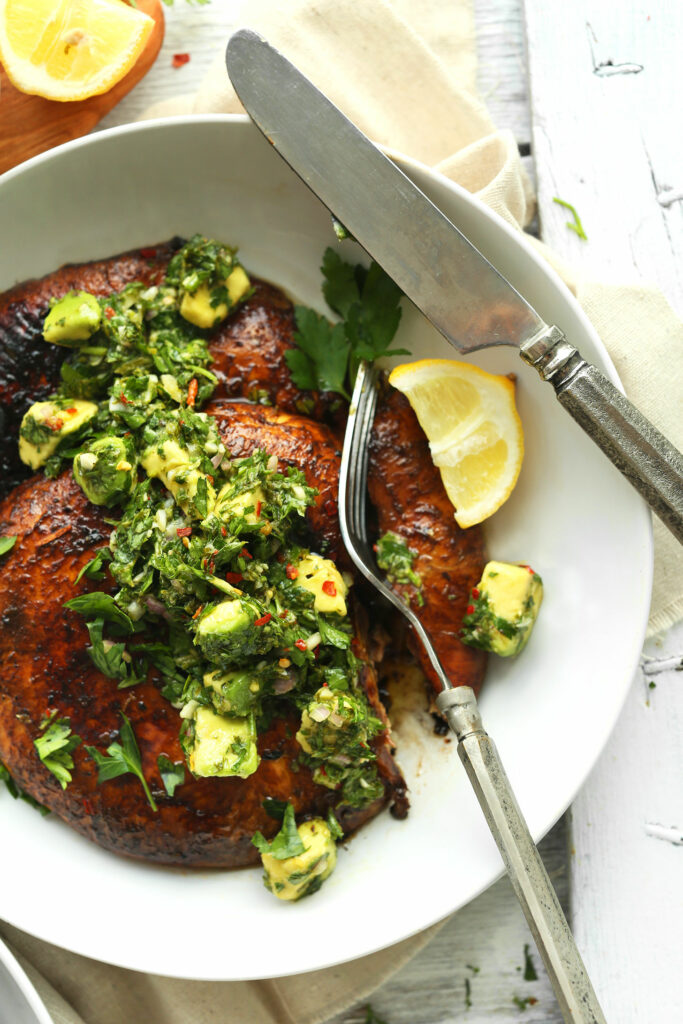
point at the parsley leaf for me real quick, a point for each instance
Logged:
(55, 747)
(287, 843)
(367, 300)
(6, 544)
(103, 606)
(123, 758)
(322, 358)
(172, 773)
(94, 569)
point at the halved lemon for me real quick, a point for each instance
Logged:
(474, 431)
(70, 49)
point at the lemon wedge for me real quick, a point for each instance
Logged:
(70, 49)
(474, 431)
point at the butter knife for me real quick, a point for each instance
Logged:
(447, 278)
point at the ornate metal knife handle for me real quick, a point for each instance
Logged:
(628, 439)
(573, 990)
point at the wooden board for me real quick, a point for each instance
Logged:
(30, 124)
(605, 103)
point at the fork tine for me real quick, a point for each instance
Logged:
(352, 501)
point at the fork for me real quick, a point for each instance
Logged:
(566, 970)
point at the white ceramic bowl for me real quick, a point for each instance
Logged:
(571, 516)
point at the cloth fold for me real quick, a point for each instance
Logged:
(404, 71)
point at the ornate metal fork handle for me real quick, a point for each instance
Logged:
(477, 751)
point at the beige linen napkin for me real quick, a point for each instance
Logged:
(404, 71)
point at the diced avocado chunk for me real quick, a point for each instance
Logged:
(46, 424)
(73, 319)
(197, 308)
(233, 693)
(291, 878)
(235, 630)
(321, 577)
(503, 608)
(247, 504)
(219, 745)
(176, 468)
(106, 470)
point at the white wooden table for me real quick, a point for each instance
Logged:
(597, 126)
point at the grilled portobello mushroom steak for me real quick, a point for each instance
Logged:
(44, 664)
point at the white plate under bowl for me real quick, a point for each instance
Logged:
(571, 516)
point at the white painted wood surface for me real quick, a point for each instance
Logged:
(611, 144)
(606, 112)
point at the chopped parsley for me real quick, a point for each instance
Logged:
(529, 969)
(522, 1003)
(327, 355)
(6, 544)
(198, 583)
(576, 226)
(396, 559)
(55, 748)
(122, 759)
(371, 1017)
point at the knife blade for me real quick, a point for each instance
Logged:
(436, 266)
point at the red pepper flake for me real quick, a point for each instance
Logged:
(375, 548)
(184, 531)
(181, 422)
(475, 593)
(245, 554)
(531, 570)
(54, 423)
(316, 652)
(71, 410)
(209, 478)
(284, 614)
(326, 684)
(127, 433)
(322, 766)
(291, 571)
(224, 531)
(470, 609)
(108, 312)
(87, 806)
(329, 588)
(179, 59)
(259, 506)
(234, 577)
(263, 620)
(192, 389)
(148, 254)
(126, 401)
(198, 612)
(301, 644)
